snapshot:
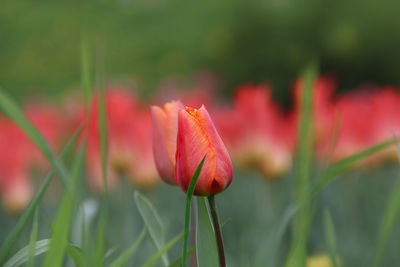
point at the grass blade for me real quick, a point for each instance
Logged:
(124, 257)
(162, 251)
(152, 222)
(11, 109)
(85, 70)
(178, 261)
(33, 239)
(206, 246)
(41, 247)
(21, 256)
(102, 128)
(390, 216)
(55, 256)
(189, 196)
(100, 238)
(269, 248)
(297, 254)
(342, 165)
(330, 238)
(17, 230)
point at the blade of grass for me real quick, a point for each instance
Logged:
(297, 255)
(268, 249)
(11, 110)
(85, 69)
(33, 240)
(59, 236)
(206, 245)
(76, 254)
(189, 195)
(342, 165)
(17, 230)
(178, 261)
(102, 128)
(152, 223)
(99, 249)
(162, 251)
(40, 247)
(389, 218)
(330, 238)
(124, 257)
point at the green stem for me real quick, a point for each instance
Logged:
(217, 231)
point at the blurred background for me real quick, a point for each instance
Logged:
(228, 42)
(238, 41)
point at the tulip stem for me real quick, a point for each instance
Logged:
(217, 231)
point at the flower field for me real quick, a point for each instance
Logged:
(196, 151)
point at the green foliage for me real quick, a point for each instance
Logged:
(330, 238)
(162, 251)
(297, 256)
(206, 246)
(268, 250)
(55, 255)
(152, 223)
(41, 247)
(11, 109)
(32, 242)
(189, 195)
(17, 230)
(124, 257)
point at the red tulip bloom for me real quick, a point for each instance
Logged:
(198, 137)
(128, 141)
(257, 133)
(165, 130)
(324, 113)
(20, 154)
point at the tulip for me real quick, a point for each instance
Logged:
(165, 129)
(324, 113)
(128, 141)
(198, 137)
(257, 132)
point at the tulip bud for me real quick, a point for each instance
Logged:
(165, 129)
(198, 137)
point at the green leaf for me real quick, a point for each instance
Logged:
(178, 261)
(206, 246)
(11, 110)
(103, 135)
(102, 128)
(33, 239)
(297, 255)
(76, 254)
(389, 218)
(152, 222)
(189, 195)
(330, 238)
(100, 237)
(342, 165)
(269, 248)
(124, 257)
(41, 247)
(162, 251)
(21, 256)
(55, 256)
(17, 230)
(86, 79)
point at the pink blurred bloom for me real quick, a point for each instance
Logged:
(197, 137)
(128, 141)
(325, 116)
(20, 154)
(257, 132)
(366, 118)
